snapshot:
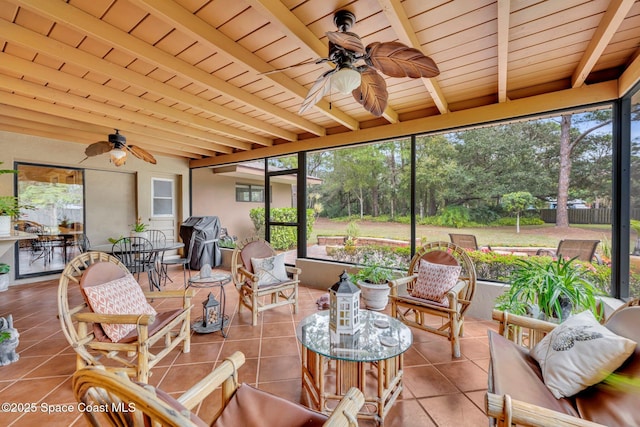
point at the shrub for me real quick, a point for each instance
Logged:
(511, 221)
(454, 216)
(282, 237)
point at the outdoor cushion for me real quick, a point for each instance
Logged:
(516, 373)
(270, 270)
(578, 353)
(257, 249)
(119, 296)
(435, 280)
(250, 407)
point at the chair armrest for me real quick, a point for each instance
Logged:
(506, 319)
(526, 414)
(189, 293)
(226, 374)
(244, 272)
(344, 414)
(135, 319)
(293, 270)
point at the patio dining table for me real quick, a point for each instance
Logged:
(157, 250)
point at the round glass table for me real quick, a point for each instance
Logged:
(374, 354)
(214, 280)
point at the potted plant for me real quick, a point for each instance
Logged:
(64, 225)
(139, 228)
(373, 280)
(549, 290)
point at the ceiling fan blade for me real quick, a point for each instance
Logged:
(349, 41)
(317, 91)
(372, 93)
(141, 153)
(98, 148)
(398, 60)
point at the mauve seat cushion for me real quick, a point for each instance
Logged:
(517, 374)
(250, 407)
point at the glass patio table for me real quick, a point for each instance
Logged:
(375, 353)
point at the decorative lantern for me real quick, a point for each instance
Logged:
(344, 307)
(211, 314)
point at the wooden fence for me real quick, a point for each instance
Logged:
(585, 216)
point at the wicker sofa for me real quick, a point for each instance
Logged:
(517, 393)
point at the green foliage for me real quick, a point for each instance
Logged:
(635, 224)
(523, 221)
(549, 286)
(4, 268)
(455, 216)
(139, 226)
(376, 268)
(517, 201)
(282, 238)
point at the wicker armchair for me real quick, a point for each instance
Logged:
(415, 311)
(253, 295)
(127, 403)
(153, 337)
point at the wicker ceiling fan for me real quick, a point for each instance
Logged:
(356, 67)
(117, 148)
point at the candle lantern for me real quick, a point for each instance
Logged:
(344, 307)
(211, 314)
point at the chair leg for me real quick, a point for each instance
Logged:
(454, 335)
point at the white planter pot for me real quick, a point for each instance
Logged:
(375, 296)
(5, 225)
(4, 282)
(142, 234)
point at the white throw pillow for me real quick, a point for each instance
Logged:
(270, 270)
(579, 353)
(435, 280)
(120, 296)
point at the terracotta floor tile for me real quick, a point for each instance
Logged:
(465, 375)
(431, 396)
(454, 410)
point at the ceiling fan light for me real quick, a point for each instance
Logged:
(117, 154)
(345, 80)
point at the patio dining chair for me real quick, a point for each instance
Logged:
(437, 291)
(137, 254)
(583, 250)
(234, 405)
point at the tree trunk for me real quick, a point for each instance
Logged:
(562, 216)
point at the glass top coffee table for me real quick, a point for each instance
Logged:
(373, 354)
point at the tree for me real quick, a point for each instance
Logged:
(516, 203)
(597, 119)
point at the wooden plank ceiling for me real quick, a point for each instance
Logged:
(186, 77)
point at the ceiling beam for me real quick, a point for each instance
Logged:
(40, 72)
(613, 17)
(127, 119)
(64, 125)
(68, 54)
(177, 16)
(400, 23)
(504, 11)
(280, 16)
(88, 24)
(523, 107)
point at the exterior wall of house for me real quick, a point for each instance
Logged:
(30, 149)
(215, 194)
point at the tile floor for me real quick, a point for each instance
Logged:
(439, 390)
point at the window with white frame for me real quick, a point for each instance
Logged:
(162, 195)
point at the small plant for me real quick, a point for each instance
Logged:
(555, 288)
(65, 222)
(4, 268)
(9, 206)
(139, 226)
(375, 270)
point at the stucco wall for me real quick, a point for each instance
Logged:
(31, 149)
(214, 194)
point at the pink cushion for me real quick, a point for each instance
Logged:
(435, 280)
(119, 296)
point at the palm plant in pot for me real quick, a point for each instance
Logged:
(373, 280)
(549, 290)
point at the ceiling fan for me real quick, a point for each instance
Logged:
(356, 67)
(117, 148)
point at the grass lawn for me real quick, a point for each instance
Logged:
(534, 235)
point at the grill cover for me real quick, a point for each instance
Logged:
(206, 231)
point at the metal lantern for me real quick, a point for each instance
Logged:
(344, 307)
(211, 313)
